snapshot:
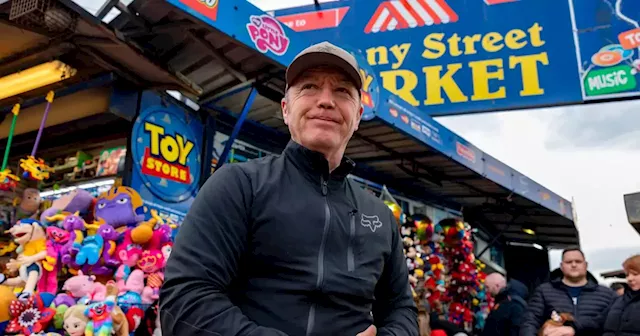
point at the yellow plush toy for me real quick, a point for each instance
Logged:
(6, 296)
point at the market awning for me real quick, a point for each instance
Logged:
(222, 51)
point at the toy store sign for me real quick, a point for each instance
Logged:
(166, 152)
(166, 156)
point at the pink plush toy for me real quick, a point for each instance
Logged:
(57, 238)
(84, 287)
(129, 281)
(128, 252)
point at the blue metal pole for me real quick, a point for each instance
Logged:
(237, 127)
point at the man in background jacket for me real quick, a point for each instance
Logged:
(571, 290)
(510, 304)
(286, 245)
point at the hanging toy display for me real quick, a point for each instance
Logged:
(8, 181)
(34, 168)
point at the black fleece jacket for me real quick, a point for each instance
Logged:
(280, 246)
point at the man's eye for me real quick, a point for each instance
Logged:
(343, 90)
(309, 86)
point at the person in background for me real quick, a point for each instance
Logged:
(618, 287)
(510, 305)
(288, 244)
(573, 290)
(624, 316)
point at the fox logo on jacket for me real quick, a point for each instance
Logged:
(372, 222)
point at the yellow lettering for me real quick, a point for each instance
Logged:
(433, 46)
(185, 146)
(183, 175)
(400, 53)
(158, 165)
(529, 70)
(150, 163)
(409, 79)
(491, 42)
(512, 40)
(481, 76)
(534, 32)
(454, 45)
(155, 131)
(166, 169)
(169, 149)
(437, 83)
(470, 44)
(381, 52)
(366, 80)
(174, 172)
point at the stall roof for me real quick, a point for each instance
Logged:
(212, 53)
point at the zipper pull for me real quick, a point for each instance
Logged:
(324, 186)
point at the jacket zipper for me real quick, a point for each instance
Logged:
(323, 242)
(352, 233)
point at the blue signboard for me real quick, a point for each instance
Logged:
(449, 57)
(246, 23)
(607, 33)
(475, 56)
(166, 147)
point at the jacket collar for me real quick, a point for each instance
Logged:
(556, 280)
(315, 165)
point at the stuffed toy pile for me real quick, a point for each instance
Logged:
(443, 272)
(86, 266)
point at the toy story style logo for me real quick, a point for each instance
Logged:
(267, 34)
(608, 69)
(208, 8)
(166, 153)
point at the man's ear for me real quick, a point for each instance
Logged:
(285, 110)
(359, 116)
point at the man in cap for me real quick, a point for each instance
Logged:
(287, 245)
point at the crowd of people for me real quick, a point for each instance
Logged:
(572, 303)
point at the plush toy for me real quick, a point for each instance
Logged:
(557, 320)
(85, 288)
(75, 320)
(120, 207)
(29, 317)
(78, 202)
(6, 297)
(57, 238)
(27, 206)
(34, 168)
(99, 314)
(32, 249)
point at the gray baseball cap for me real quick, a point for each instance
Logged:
(323, 54)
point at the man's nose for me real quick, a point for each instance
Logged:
(325, 100)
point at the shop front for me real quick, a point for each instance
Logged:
(165, 93)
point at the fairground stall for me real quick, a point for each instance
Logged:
(144, 99)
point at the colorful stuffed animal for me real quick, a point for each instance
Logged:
(32, 249)
(85, 287)
(100, 314)
(121, 207)
(57, 238)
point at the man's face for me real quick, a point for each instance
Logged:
(573, 265)
(322, 109)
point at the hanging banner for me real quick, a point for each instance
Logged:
(448, 57)
(166, 147)
(608, 36)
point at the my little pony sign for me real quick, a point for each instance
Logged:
(267, 34)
